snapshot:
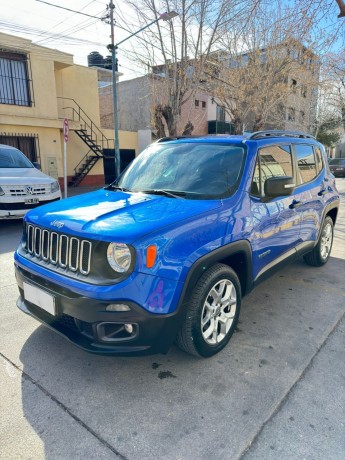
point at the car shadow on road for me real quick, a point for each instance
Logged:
(159, 406)
(10, 235)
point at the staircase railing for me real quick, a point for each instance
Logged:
(83, 160)
(72, 110)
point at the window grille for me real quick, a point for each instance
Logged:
(14, 79)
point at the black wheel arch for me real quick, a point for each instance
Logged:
(330, 210)
(237, 255)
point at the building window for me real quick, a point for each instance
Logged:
(26, 143)
(203, 104)
(233, 63)
(14, 80)
(293, 85)
(263, 57)
(220, 113)
(291, 114)
(245, 59)
(197, 102)
(303, 91)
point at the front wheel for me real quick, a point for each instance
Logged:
(212, 313)
(322, 251)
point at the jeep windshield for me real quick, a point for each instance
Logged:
(191, 170)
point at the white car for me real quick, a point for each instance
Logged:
(22, 185)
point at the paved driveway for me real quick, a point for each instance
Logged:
(277, 391)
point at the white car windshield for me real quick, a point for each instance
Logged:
(13, 158)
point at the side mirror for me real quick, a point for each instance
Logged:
(37, 165)
(279, 186)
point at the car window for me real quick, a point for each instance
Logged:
(272, 161)
(13, 158)
(306, 163)
(337, 161)
(201, 170)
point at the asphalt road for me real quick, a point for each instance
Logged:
(276, 392)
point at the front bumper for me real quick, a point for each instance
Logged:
(87, 324)
(17, 210)
(338, 172)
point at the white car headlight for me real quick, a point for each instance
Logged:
(119, 257)
(1, 192)
(54, 187)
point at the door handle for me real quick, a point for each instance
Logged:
(322, 192)
(295, 204)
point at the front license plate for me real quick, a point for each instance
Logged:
(31, 200)
(39, 298)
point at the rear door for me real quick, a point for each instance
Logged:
(312, 187)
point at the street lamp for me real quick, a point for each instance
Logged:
(165, 17)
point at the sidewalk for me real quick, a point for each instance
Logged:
(277, 392)
(73, 191)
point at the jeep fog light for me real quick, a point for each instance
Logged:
(117, 307)
(119, 257)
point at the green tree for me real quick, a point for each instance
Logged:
(328, 132)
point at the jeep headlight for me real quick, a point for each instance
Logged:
(119, 257)
(54, 187)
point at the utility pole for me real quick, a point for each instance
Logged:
(113, 47)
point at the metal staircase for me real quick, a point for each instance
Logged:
(89, 133)
(83, 168)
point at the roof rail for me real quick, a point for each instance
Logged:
(193, 136)
(166, 139)
(175, 138)
(279, 133)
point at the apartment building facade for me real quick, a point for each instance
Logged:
(295, 94)
(39, 88)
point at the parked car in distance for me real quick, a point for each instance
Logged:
(337, 166)
(22, 185)
(166, 252)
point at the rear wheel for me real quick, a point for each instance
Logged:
(212, 313)
(322, 251)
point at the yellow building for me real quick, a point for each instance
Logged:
(39, 87)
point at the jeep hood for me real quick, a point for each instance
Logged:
(116, 215)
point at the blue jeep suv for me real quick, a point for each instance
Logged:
(166, 252)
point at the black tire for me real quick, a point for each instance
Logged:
(322, 251)
(192, 337)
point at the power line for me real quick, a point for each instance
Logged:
(61, 22)
(68, 9)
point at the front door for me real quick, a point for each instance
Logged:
(276, 221)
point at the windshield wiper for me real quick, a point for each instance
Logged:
(116, 187)
(170, 193)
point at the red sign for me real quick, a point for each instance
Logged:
(65, 129)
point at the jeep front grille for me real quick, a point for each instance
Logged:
(58, 249)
